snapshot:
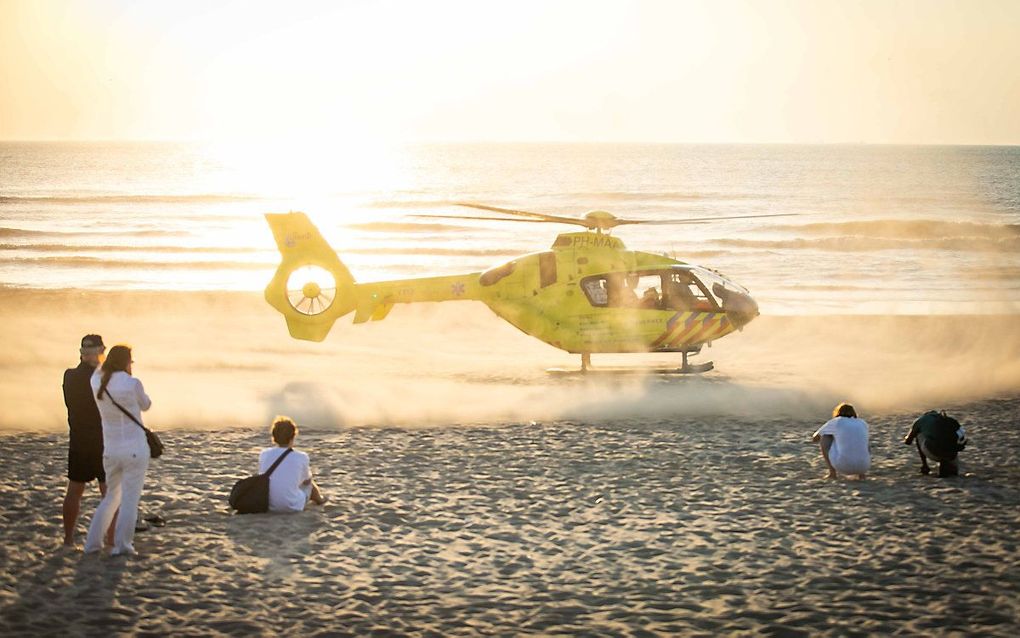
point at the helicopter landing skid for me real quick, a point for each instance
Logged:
(697, 368)
(686, 368)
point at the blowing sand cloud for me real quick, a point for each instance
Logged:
(225, 360)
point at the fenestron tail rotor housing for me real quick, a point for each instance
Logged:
(311, 287)
(311, 290)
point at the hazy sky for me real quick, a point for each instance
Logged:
(884, 71)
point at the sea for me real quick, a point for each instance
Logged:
(865, 229)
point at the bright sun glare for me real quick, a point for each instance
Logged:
(366, 74)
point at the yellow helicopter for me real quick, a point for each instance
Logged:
(586, 294)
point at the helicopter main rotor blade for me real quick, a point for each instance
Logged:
(524, 213)
(502, 219)
(497, 209)
(594, 220)
(614, 222)
(700, 220)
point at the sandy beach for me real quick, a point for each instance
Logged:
(618, 528)
(471, 494)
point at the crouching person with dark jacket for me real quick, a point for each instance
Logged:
(940, 438)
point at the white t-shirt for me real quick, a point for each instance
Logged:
(286, 493)
(849, 453)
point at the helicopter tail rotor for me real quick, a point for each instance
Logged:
(312, 288)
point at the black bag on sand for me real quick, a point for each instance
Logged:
(155, 445)
(251, 495)
(946, 443)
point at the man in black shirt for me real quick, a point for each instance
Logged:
(85, 453)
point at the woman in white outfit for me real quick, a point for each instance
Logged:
(125, 450)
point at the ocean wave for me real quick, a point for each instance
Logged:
(207, 198)
(687, 255)
(409, 227)
(857, 243)
(435, 251)
(410, 203)
(99, 262)
(14, 233)
(802, 287)
(125, 261)
(104, 248)
(660, 196)
(902, 228)
(1010, 274)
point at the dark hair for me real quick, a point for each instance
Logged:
(117, 361)
(284, 430)
(844, 409)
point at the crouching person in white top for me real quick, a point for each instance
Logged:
(290, 485)
(843, 441)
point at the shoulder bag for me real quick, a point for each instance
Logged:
(155, 445)
(251, 495)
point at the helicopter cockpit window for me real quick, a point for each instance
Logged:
(493, 275)
(683, 291)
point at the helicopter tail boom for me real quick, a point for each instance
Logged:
(312, 288)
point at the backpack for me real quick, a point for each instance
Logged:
(251, 495)
(946, 440)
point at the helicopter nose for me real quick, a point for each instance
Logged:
(740, 309)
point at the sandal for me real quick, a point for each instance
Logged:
(155, 519)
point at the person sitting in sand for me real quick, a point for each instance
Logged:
(291, 485)
(843, 441)
(940, 438)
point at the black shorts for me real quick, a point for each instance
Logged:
(85, 464)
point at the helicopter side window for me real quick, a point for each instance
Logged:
(621, 290)
(595, 289)
(649, 285)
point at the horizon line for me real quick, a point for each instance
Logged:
(423, 142)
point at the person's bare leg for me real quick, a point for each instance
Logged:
(924, 459)
(824, 444)
(948, 468)
(72, 507)
(316, 496)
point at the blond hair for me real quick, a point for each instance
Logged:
(844, 409)
(284, 430)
